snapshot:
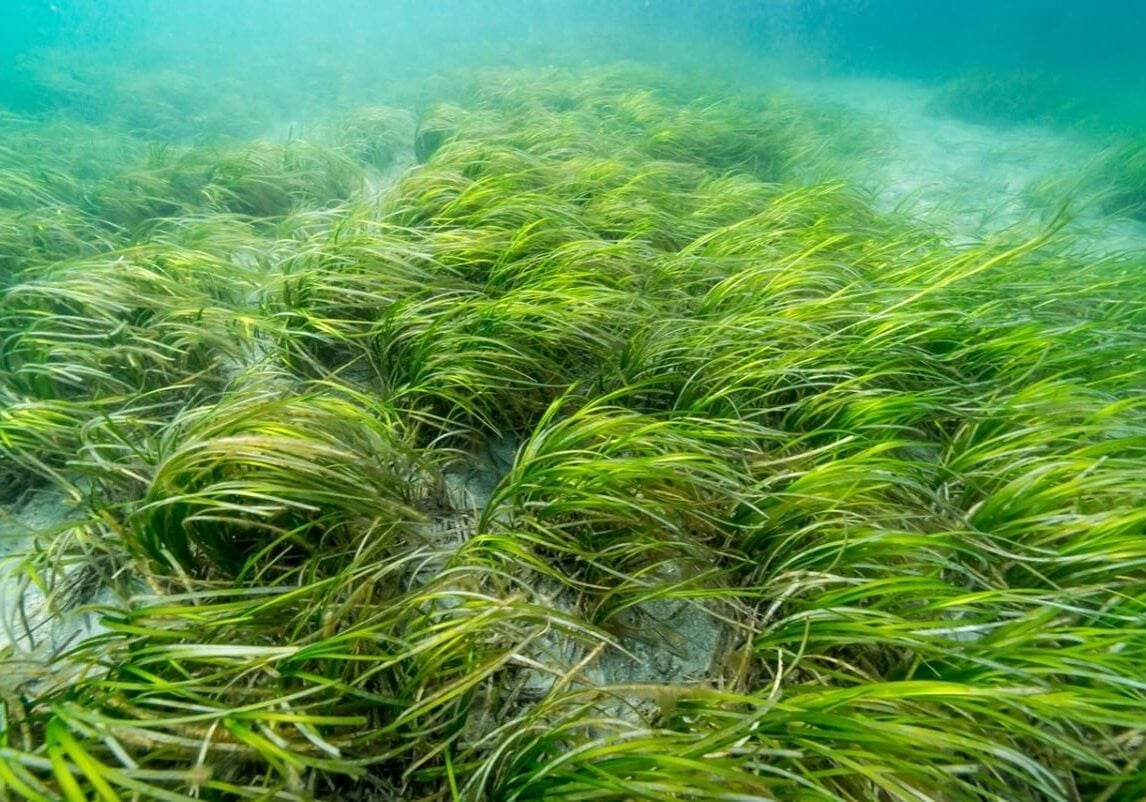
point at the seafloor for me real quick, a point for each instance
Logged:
(601, 432)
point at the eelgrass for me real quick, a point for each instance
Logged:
(132, 322)
(1122, 179)
(1011, 97)
(70, 190)
(900, 479)
(257, 480)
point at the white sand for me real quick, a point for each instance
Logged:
(26, 621)
(974, 180)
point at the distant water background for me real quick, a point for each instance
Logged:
(1096, 48)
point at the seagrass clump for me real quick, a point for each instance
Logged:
(606, 452)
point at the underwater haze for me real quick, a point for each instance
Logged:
(1078, 62)
(572, 400)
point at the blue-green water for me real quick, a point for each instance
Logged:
(1094, 48)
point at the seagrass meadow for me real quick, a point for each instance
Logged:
(562, 433)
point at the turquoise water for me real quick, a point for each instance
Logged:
(1094, 49)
